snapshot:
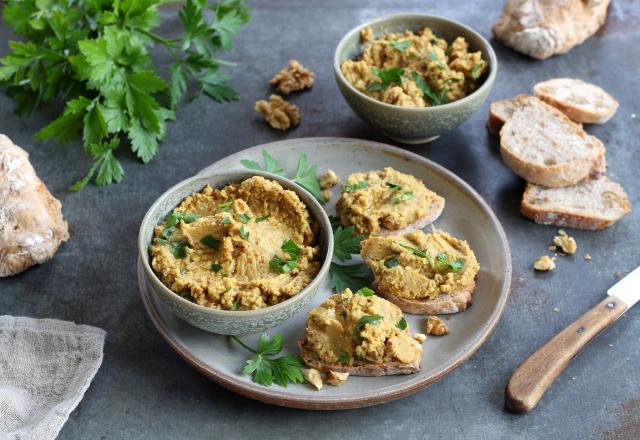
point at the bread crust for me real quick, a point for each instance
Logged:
(575, 112)
(559, 217)
(456, 302)
(371, 370)
(436, 208)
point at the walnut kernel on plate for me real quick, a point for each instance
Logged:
(566, 243)
(279, 113)
(293, 78)
(335, 378)
(436, 326)
(544, 263)
(313, 376)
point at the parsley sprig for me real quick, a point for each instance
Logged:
(265, 369)
(394, 75)
(285, 266)
(400, 45)
(96, 56)
(346, 243)
(435, 98)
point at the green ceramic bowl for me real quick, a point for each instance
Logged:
(414, 125)
(228, 322)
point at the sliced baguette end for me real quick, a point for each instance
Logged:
(457, 302)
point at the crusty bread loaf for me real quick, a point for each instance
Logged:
(592, 204)
(543, 146)
(456, 302)
(580, 101)
(363, 369)
(542, 28)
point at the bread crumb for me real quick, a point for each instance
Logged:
(436, 326)
(420, 337)
(329, 179)
(587, 257)
(326, 194)
(552, 248)
(556, 310)
(545, 263)
(334, 378)
(279, 113)
(618, 274)
(565, 243)
(293, 78)
(313, 376)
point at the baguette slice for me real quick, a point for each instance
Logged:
(579, 100)
(543, 146)
(435, 210)
(384, 369)
(501, 111)
(443, 304)
(592, 204)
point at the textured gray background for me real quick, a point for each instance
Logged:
(144, 390)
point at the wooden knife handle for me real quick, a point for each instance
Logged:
(532, 378)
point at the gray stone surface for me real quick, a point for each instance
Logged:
(144, 390)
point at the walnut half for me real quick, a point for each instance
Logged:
(313, 376)
(279, 113)
(436, 326)
(293, 78)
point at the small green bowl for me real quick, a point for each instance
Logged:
(414, 125)
(228, 322)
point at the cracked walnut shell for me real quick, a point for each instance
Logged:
(279, 113)
(436, 326)
(293, 78)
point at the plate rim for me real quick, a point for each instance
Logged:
(275, 397)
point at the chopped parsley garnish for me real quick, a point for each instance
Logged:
(263, 218)
(433, 97)
(178, 248)
(167, 232)
(355, 186)
(391, 262)
(402, 197)
(290, 247)
(216, 267)
(394, 186)
(442, 263)
(387, 77)
(210, 241)
(226, 206)
(225, 221)
(433, 41)
(174, 218)
(234, 306)
(284, 266)
(400, 46)
(476, 70)
(244, 218)
(265, 369)
(365, 291)
(432, 56)
(364, 320)
(402, 324)
(244, 233)
(344, 357)
(415, 251)
(346, 243)
(442, 66)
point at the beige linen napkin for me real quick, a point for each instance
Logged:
(45, 367)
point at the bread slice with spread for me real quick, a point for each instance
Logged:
(423, 273)
(361, 334)
(579, 100)
(592, 204)
(542, 145)
(387, 202)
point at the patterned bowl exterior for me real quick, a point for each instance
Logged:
(224, 321)
(413, 125)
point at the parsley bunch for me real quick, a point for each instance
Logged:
(265, 369)
(94, 54)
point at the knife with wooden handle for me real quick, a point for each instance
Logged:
(532, 378)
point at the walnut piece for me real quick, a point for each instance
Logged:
(566, 243)
(420, 337)
(326, 194)
(334, 378)
(313, 376)
(329, 179)
(436, 326)
(587, 257)
(279, 113)
(366, 34)
(545, 263)
(293, 78)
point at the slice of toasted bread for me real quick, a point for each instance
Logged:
(384, 369)
(456, 302)
(501, 111)
(579, 100)
(435, 210)
(543, 146)
(592, 204)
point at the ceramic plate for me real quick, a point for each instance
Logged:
(466, 216)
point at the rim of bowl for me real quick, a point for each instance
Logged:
(323, 221)
(493, 65)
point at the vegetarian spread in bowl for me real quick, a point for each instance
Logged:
(415, 69)
(245, 246)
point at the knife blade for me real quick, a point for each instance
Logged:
(536, 374)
